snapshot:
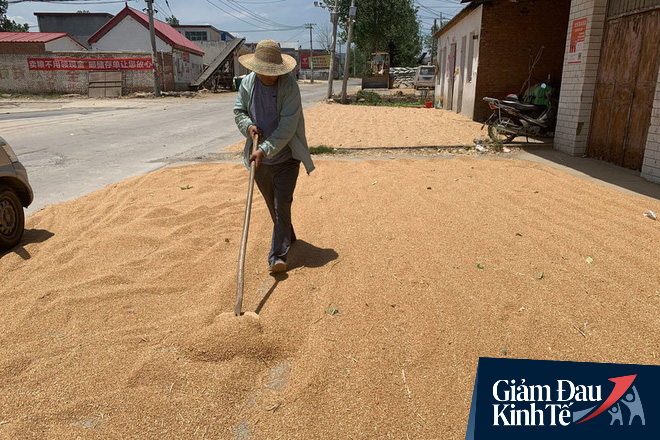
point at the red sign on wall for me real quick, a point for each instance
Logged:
(576, 46)
(320, 61)
(90, 64)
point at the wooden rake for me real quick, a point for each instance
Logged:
(246, 224)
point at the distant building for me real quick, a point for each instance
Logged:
(203, 32)
(180, 58)
(292, 48)
(320, 63)
(53, 62)
(37, 42)
(211, 40)
(80, 26)
(487, 48)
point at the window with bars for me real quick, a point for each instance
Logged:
(197, 35)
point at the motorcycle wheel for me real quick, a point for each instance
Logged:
(499, 136)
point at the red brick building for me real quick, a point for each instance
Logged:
(487, 50)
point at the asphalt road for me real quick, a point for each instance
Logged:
(73, 148)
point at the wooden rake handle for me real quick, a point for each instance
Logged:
(246, 225)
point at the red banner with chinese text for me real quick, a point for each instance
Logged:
(90, 64)
(320, 61)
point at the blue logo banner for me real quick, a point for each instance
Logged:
(522, 399)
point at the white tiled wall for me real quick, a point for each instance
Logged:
(578, 88)
(651, 166)
(579, 80)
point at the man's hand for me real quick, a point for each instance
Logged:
(254, 130)
(257, 157)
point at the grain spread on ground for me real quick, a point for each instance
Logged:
(404, 273)
(360, 126)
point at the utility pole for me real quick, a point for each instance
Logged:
(154, 54)
(311, 50)
(351, 16)
(333, 18)
(433, 31)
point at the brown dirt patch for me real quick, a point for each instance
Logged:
(100, 321)
(362, 126)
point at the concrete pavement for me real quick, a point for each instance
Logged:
(593, 170)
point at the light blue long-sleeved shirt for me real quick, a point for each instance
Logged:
(290, 128)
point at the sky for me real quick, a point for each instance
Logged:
(280, 20)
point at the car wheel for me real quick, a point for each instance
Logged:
(12, 218)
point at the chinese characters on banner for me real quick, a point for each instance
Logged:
(90, 64)
(320, 61)
(578, 32)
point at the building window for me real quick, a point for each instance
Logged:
(197, 35)
(470, 57)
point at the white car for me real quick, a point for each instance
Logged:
(15, 193)
(424, 77)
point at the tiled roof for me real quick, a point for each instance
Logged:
(30, 37)
(163, 31)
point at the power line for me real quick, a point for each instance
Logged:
(160, 11)
(71, 2)
(252, 14)
(264, 30)
(237, 18)
(258, 27)
(295, 36)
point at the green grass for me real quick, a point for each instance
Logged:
(374, 99)
(322, 149)
(370, 98)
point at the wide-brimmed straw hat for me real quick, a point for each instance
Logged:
(268, 59)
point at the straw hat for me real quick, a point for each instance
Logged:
(267, 59)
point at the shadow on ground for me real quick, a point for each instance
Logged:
(29, 236)
(302, 254)
(594, 170)
(307, 255)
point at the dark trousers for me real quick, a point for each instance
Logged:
(277, 183)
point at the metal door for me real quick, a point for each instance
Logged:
(461, 75)
(105, 84)
(627, 79)
(451, 75)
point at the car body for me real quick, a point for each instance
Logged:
(15, 194)
(424, 77)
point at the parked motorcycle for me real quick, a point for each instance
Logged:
(513, 117)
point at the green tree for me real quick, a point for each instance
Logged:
(172, 21)
(385, 26)
(7, 25)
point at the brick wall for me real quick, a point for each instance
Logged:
(15, 77)
(651, 166)
(24, 48)
(511, 34)
(579, 80)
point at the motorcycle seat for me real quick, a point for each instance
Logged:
(524, 107)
